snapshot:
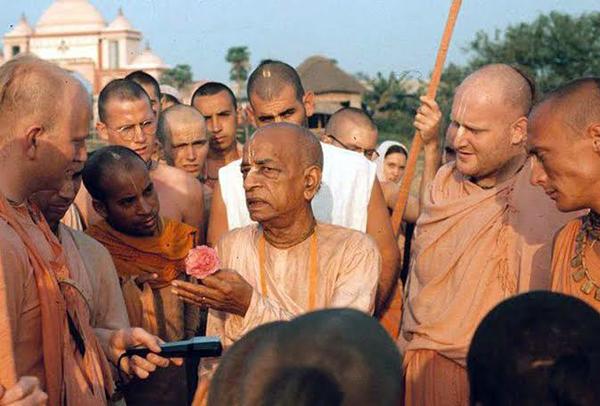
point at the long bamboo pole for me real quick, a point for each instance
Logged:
(391, 317)
(417, 143)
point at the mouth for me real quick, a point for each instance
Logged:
(254, 203)
(191, 167)
(552, 194)
(150, 223)
(58, 210)
(141, 151)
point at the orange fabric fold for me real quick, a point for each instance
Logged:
(433, 380)
(64, 367)
(562, 271)
(136, 258)
(473, 248)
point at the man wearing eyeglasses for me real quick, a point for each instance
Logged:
(352, 129)
(126, 118)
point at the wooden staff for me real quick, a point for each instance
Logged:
(417, 143)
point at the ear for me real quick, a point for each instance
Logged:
(309, 103)
(312, 181)
(102, 130)
(100, 208)
(519, 131)
(251, 116)
(594, 133)
(33, 137)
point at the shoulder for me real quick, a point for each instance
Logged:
(178, 177)
(346, 238)
(239, 234)
(87, 244)
(10, 242)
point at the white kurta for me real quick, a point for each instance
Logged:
(348, 271)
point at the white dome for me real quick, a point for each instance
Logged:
(22, 29)
(148, 60)
(70, 16)
(121, 23)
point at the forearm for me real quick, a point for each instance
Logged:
(104, 335)
(433, 159)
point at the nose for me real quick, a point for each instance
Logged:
(216, 124)
(140, 136)
(538, 174)
(460, 140)
(144, 206)
(190, 153)
(250, 181)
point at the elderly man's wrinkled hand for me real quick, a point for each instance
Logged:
(225, 291)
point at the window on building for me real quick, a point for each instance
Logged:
(113, 54)
(16, 50)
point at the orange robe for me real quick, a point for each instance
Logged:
(562, 271)
(38, 296)
(150, 303)
(473, 248)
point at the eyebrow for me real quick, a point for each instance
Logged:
(181, 144)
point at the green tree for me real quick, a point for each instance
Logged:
(392, 100)
(239, 58)
(179, 76)
(553, 49)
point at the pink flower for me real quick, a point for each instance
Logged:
(202, 261)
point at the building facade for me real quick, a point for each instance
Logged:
(74, 35)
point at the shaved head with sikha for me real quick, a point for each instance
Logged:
(282, 167)
(41, 136)
(182, 130)
(489, 112)
(352, 128)
(276, 95)
(564, 138)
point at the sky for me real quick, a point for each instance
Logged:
(362, 35)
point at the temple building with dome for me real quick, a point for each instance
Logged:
(73, 34)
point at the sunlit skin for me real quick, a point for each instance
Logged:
(284, 108)
(188, 145)
(393, 167)
(155, 101)
(489, 136)
(350, 135)
(131, 205)
(567, 159)
(135, 116)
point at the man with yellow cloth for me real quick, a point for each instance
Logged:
(149, 253)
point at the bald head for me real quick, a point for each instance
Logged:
(577, 103)
(182, 132)
(30, 89)
(177, 117)
(104, 163)
(352, 129)
(347, 359)
(270, 78)
(291, 137)
(502, 85)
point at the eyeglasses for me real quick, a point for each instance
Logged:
(370, 154)
(127, 132)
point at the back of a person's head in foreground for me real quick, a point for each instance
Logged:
(328, 357)
(539, 348)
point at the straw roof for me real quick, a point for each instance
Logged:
(322, 75)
